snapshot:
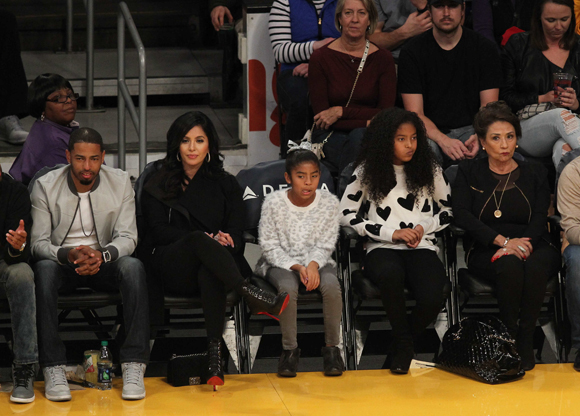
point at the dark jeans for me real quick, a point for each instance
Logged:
(198, 264)
(422, 271)
(293, 99)
(12, 77)
(341, 148)
(520, 285)
(17, 285)
(126, 274)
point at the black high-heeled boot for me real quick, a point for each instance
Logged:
(525, 347)
(215, 371)
(262, 302)
(403, 355)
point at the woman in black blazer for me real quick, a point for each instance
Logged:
(503, 204)
(194, 217)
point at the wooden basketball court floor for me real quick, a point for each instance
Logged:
(550, 389)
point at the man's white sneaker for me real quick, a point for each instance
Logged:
(11, 130)
(55, 385)
(133, 385)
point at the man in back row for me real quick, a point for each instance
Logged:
(83, 235)
(445, 75)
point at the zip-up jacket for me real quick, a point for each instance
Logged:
(295, 25)
(55, 202)
(473, 190)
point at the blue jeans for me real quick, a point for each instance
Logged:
(127, 274)
(17, 285)
(547, 132)
(572, 261)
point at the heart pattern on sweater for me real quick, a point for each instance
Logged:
(407, 202)
(403, 225)
(356, 197)
(426, 206)
(374, 228)
(384, 213)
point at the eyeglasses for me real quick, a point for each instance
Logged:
(61, 99)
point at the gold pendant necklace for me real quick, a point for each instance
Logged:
(497, 213)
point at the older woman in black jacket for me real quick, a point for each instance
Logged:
(194, 217)
(529, 61)
(503, 204)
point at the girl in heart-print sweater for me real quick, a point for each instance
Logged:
(399, 209)
(398, 198)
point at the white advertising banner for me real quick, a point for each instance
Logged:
(263, 135)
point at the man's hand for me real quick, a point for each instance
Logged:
(87, 259)
(453, 148)
(417, 24)
(327, 118)
(472, 145)
(18, 237)
(301, 71)
(217, 17)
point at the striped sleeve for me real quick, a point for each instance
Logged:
(279, 26)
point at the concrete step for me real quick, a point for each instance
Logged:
(169, 70)
(42, 23)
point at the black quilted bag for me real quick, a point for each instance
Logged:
(187, 370)
(481, 348)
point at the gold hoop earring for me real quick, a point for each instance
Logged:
(177, 157)
(208, 157)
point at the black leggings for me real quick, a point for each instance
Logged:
(199, 264)
(520, 285)
(422, 271)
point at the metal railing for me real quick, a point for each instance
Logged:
(124, 97)
(90, 80)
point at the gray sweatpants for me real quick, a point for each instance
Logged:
(289, 281)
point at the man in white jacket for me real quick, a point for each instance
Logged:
(84, 231)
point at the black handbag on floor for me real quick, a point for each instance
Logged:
(482, 349)
(187, 370)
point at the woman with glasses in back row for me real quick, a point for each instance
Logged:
(52, 100)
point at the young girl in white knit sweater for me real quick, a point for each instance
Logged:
(298, 232)
(398, 198)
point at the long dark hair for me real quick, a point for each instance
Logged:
(377, 154)
(173, 168)
(537, 32)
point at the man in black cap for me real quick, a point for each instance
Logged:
(445, 75)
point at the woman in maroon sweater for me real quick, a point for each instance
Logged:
(332, 74)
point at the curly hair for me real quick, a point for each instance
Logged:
(377, 150)
(173, 169)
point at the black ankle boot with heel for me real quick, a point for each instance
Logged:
(262, 302)
(215, 372)
(403, 354)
